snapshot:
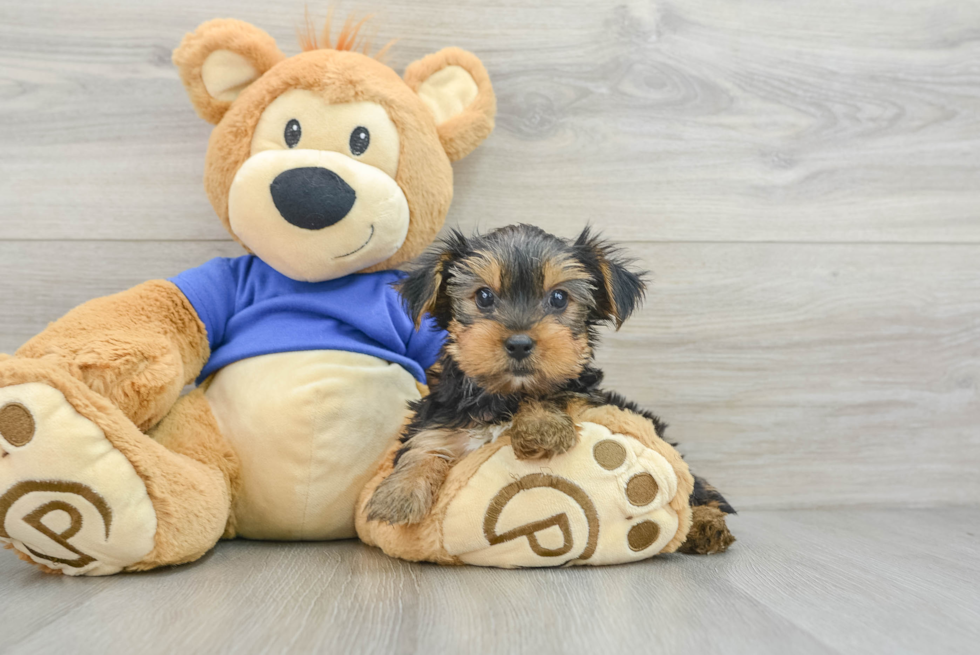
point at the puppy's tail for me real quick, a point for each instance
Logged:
(705, 494)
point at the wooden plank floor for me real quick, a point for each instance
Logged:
(791, 375)
(817, 120)
(801, 178)
(884, 581)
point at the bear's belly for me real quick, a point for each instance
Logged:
(309, 429)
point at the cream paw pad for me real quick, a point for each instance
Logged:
(69, 500)
(620, 495)
(604, 502)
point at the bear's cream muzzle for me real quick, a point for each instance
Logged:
(316, 215)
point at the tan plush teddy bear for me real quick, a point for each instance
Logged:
(331, 170)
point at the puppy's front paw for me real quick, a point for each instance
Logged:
(539, 434)
(400, 499)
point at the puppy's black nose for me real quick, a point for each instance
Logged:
(519, 346)
(312, 198)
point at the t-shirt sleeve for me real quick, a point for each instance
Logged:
(212, 289)
(425, 343)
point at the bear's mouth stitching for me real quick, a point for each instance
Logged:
(363, 245)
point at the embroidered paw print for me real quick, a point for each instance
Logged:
(69, 501)
(606, 501)
(641, 491)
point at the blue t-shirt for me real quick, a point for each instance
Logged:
(250, 309)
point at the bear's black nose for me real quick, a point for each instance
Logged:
(519, 346)
(312, 198)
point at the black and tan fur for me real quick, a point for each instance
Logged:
(479, 389)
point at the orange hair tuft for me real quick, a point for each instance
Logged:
(350, 37)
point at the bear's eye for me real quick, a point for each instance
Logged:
(558, 299)
(360, 139)
(484, 298)
(293, 133)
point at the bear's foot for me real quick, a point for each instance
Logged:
(606, 501)
(70, 501)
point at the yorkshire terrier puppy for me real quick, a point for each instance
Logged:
(522, 308)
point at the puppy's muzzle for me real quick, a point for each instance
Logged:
(519, 346)
(312, 197)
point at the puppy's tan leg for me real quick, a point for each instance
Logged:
(407, 494)
(541, 430)
(709, 534)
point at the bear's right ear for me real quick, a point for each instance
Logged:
(455, 87)
(219, 59)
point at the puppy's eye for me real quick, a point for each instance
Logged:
(360, 139)
(484, 298)
(293, 133)
(558, 299)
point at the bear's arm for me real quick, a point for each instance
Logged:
(138, 348)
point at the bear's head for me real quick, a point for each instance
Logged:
(328, 163)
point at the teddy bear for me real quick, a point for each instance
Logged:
(331, 171)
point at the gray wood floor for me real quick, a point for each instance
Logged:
(808, 581)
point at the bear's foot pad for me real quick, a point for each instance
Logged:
(604, 502)
(70, 502)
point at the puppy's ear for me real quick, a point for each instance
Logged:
(455, 87)
(219, 59)
(424, 288)
(619, 290)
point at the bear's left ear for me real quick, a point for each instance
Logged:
(455, 87)
(219, 59)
